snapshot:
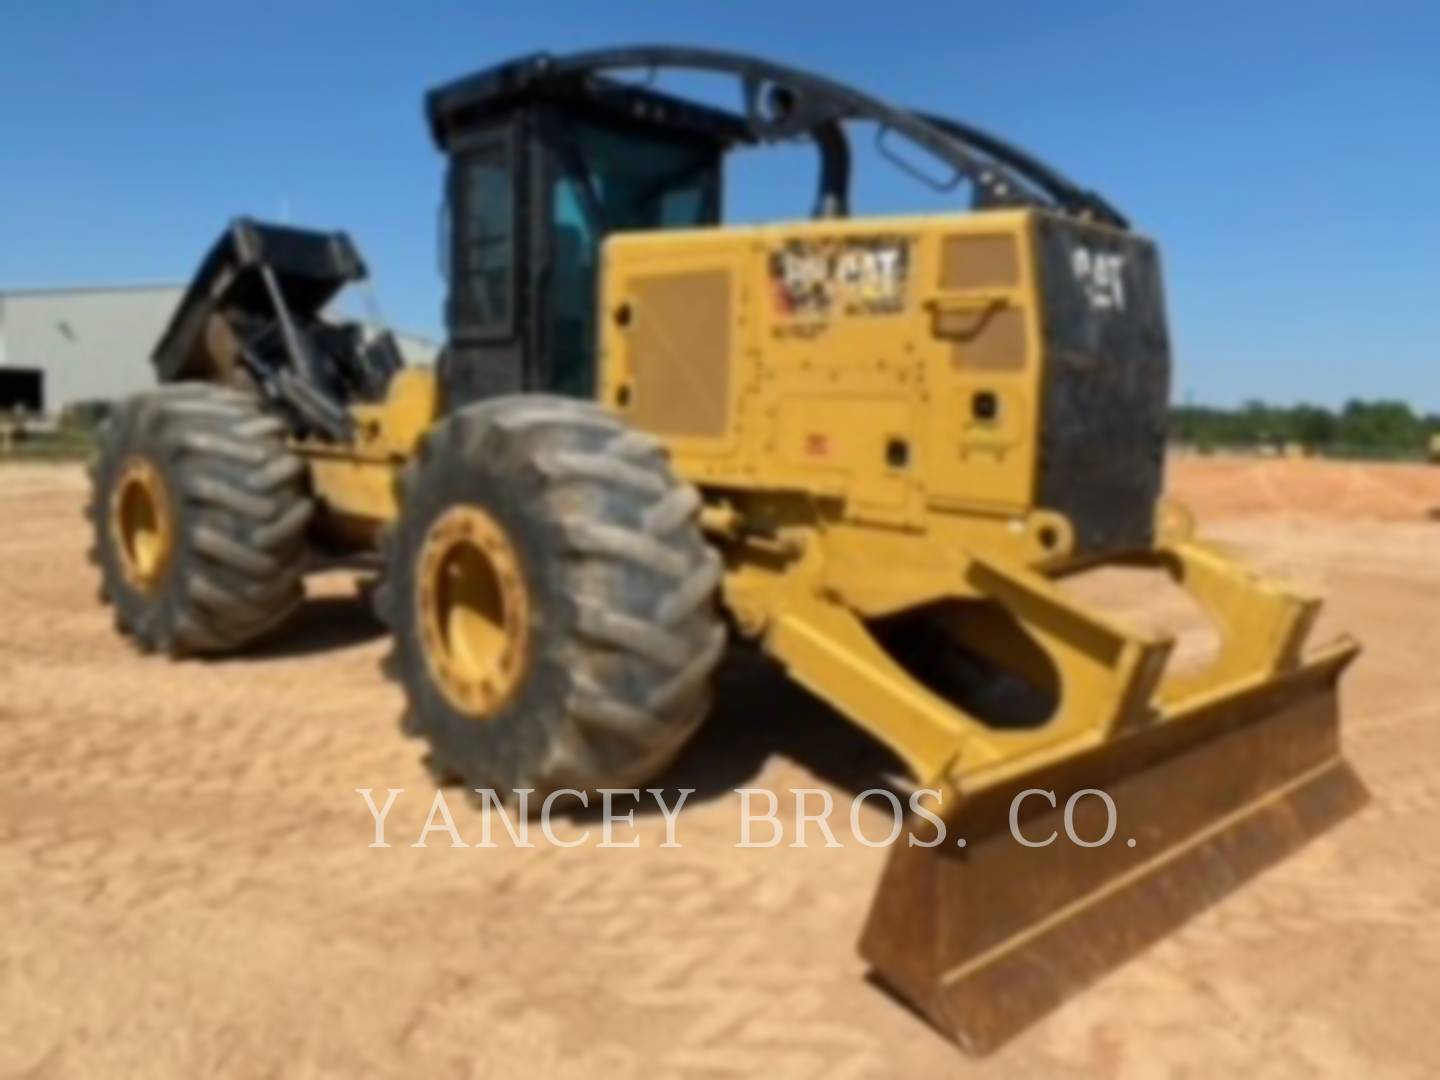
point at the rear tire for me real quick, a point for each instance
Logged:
(199, 514)
(602, 624)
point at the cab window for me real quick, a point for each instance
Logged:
(613, 181)
(483, 267)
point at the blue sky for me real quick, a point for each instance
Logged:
(1287, 157)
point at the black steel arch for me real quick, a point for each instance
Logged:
(783, 102)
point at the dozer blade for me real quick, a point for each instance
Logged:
(986, 937)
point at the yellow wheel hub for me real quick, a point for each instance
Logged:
(142, 524)
(474, 610)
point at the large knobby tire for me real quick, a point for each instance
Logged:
(603, 626)
(199, 513)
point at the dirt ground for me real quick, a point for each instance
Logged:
(187, 888)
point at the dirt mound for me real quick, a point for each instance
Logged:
(1310, 487)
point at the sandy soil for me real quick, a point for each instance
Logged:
(187, 888)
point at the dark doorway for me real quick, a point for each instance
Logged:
(22, 390)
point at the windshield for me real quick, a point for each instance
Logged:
(613, 181)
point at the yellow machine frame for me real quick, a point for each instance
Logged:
(783, 424)
(846, 478)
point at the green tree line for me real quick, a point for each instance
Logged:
(1361, 428)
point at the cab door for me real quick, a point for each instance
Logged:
(485, 310)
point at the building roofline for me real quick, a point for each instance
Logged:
(63, 290)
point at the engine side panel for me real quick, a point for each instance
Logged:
(923, 375)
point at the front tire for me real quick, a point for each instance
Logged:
(551, 597)
(199, 513)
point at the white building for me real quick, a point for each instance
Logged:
(87, 344)
(94, 344)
